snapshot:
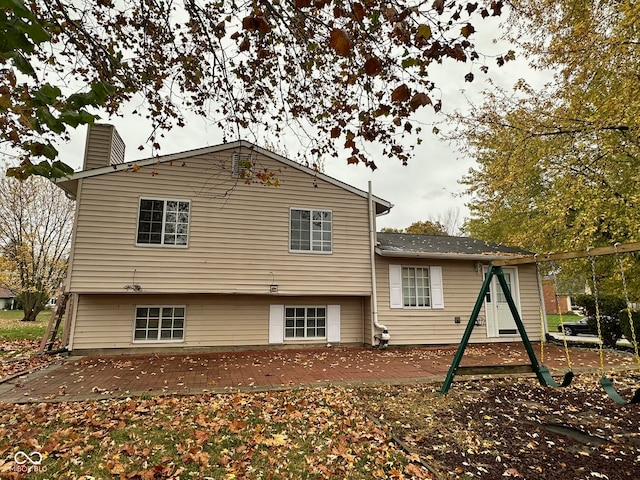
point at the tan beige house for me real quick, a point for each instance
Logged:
(428, 285)
(236, 246)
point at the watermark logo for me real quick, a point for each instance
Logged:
(21, 458)
(28, 462)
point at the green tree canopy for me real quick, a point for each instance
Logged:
(558, 167)
(427, 227)
(343, 74)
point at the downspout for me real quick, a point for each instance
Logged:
(75, 298)
(384, 337)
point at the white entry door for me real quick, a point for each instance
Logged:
(500, 322)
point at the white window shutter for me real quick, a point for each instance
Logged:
(276, 323)
(333, 323)
(395, 286)
(437, 291)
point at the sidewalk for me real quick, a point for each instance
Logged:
(82, 378)
(587, 339)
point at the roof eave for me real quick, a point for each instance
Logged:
(70, 184)
(444, 256)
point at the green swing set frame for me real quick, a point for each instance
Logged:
(542, 373)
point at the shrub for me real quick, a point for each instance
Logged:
(608, 305)
(610, 331)
(626, 328)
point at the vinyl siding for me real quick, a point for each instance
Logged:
(238, 235)
(104, 147)
(367, 322)
(461, 285)
(106, 321)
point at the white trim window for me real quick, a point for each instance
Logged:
(277, 323)
(310, 230)
(415, 286)
(305, 322)
(159, 323)
(416, 291)
(163, 222)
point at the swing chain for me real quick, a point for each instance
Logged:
(628, 308)
(540, 309)
(559, 310)
(595, 297)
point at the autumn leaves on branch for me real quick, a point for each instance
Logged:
(340, 76)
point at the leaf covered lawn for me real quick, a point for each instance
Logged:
(19, 356)
(491, 429)
(303, 434)
(513, 427)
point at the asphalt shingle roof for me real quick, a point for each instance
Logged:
(6, 293)
(390, 244)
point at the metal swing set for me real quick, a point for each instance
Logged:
(541, 371)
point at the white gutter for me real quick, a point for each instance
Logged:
(445, 256)
(384, 337)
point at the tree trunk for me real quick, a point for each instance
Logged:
(32, 304)
(30, 315)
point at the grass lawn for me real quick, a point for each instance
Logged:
(299, 434)
(554, 320)
(11, 328)
(20, 341)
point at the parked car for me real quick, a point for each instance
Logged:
(576, 328)
(582, 326)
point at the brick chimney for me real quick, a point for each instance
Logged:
(104, 147)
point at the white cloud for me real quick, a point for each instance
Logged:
(426, 188)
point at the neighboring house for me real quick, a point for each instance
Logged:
(554, 302)
(7, 299)
(192, 251)
(560, 294)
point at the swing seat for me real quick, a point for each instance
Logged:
(615, 396)
(550, 382)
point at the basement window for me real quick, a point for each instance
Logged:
(305, 322)
(159, 324)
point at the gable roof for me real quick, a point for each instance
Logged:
(6, 293)
(70, 184)
(442, 247)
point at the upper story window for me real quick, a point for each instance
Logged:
(163, 222)
(310, 230)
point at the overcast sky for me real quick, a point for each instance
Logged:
(427, 188)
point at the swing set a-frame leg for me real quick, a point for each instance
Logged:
(467, 333)
(542, 373)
